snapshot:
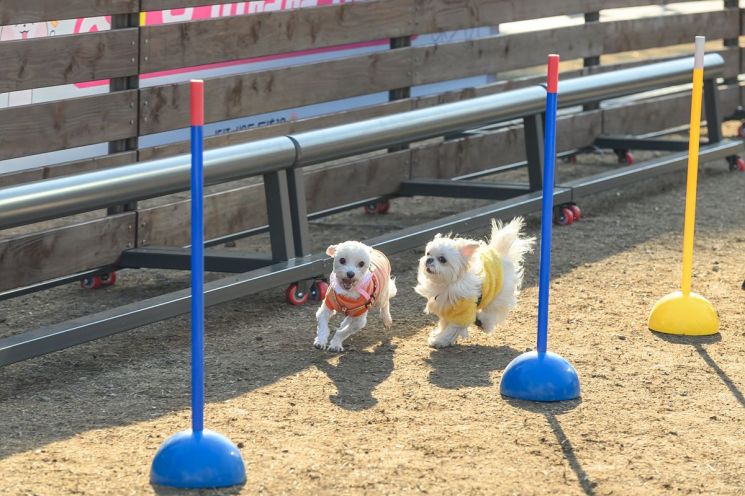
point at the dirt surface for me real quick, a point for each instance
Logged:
(658, 415)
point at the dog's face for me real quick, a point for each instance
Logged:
(446, 259)
(351, 262)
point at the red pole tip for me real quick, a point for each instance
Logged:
(197, 102)
(553, 73)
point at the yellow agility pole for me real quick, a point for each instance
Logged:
(685, 312)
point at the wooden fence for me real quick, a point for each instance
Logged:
(128, 111)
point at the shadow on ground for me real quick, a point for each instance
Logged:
(468, 365)
(357, 374)
(698, 342)
(551, 411)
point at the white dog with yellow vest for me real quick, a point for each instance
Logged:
(472, 282)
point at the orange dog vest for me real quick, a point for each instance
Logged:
(368, 289)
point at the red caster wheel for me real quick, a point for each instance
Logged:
(378, 207)
(318, 290)
(625, 157)
(571, 159)
(295, 296)
(736, 163)
(108, 279)
(563, 216)
(91, 282)
(576, 212)
(371, 208)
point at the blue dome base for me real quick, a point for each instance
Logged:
(537, 376)
(196, 460)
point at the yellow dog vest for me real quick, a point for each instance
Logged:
(463, 312)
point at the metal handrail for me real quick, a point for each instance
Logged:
(54, 198)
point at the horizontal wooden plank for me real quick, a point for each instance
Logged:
(328, 187)
(466, 155)
(45, 127)
(649, 115)
(25, 11)
(167, 107)
(226, 212)
(650, 32)
(433, 16)
(504, 53)
(170, 46)
(66, 168)
(60, 60)
(476, 153)
(66, 250)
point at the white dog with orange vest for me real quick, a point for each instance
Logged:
(361, 280)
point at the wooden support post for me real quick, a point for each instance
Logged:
(123, 21)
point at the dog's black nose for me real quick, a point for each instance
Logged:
(430, 261)
(350, 274)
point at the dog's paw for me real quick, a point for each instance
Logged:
(438, 342)
(321, 345)
(335, 347)
(387, 322)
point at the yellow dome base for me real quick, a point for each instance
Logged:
(690, 315)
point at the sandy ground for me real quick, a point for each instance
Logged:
(658, 415)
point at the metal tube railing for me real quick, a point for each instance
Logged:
(373, 134)
(623, 82)
(55, 198)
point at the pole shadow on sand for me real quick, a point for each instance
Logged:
(473, 365)
(698, 342)
(551, 412)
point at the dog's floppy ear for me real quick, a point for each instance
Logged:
(469, 248)
(331, 250)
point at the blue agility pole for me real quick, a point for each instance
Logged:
(541, 375)
(197, 257)
(197, 458)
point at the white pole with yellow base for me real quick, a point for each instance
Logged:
(686, 312)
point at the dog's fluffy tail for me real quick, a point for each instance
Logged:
(392, 289)
(509, 242)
